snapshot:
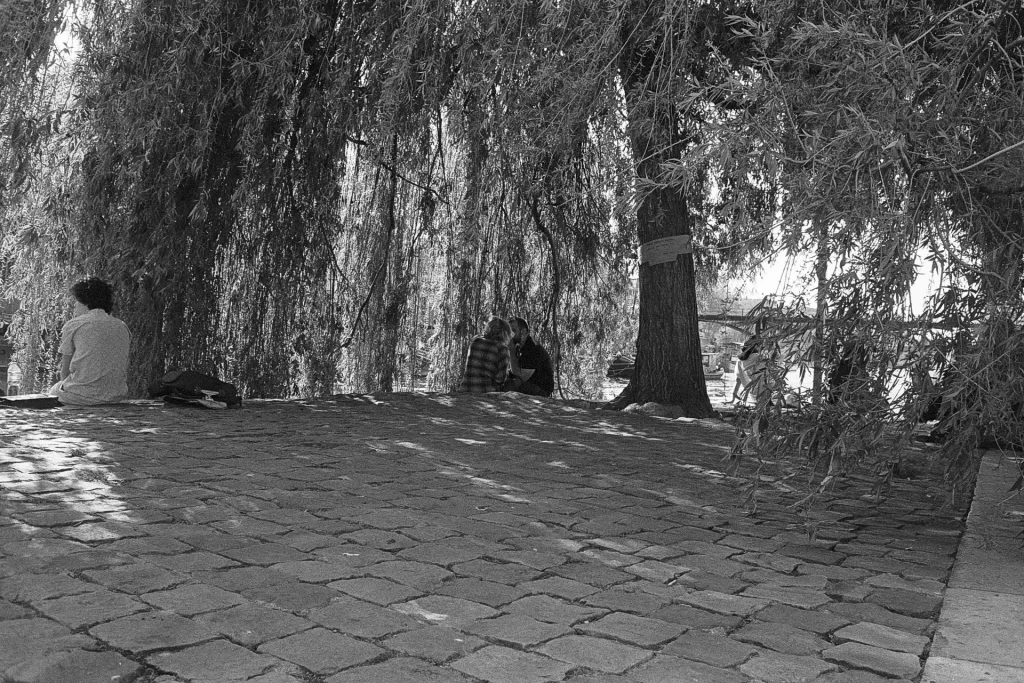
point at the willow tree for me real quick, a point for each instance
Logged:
(274, 187)
(887, 132)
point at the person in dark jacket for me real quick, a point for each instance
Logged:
(527, 355)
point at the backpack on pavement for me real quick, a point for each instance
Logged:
(189, 387)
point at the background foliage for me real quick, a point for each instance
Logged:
(313, 196)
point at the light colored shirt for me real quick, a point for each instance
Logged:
(98, 344)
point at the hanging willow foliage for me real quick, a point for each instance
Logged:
(886, 133)
(305, 197)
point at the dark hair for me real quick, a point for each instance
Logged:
(521, 324)
(94, 293)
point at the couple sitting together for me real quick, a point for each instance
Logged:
(505, 358)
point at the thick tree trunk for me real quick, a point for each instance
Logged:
(668, 353)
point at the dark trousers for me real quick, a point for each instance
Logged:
(529, 388)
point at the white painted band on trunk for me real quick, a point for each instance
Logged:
(665, 250)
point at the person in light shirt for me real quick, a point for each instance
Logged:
(94, 349)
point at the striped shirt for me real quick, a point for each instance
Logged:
(486, 366)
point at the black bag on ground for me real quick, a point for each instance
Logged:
(191, 387)
(38, 401)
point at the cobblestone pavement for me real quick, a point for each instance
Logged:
(441, 539)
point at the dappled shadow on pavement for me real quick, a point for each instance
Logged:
(446, 538)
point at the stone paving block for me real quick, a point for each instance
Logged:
(551, 610)
(56, 518)
(293, 596)
(219, 661)
(883, 637)
(667, 669)
(484, 592)
(910, 603)
(709, 648)
(362, 619)
(774, 578)
(192, 599)
(237, 579)
(944, 670)
(314, 571)
(215, 542)
(307, 541)
(655, 570)
(496, 664)
(883, 565)
(32, 587)
(982, 627)
(251, 625)
(878, 615)
(592, 573)
(399, 670)
(921, 571)
(381, 540)
(74, 666)
(697, 618)
(266, 554)
(594, 653)
(321, 651)
(751, 543)
(815, 621)
(190, 562)
(875, 659)
(632, 629)
(100, 531)
(9, 611)
(517, 630)
(848, 591)
(435, 643)
(773, 667)
(781, 638)
(88, 559)
(932, 559)
(712, 565)
(778, 563)
(86, 609)
(424, 577)
(797, 597)
(708, 548)
(622, 545)
(31, 639)
(509, 573)
(700, 580)
(724, 603)
(618, 599)
(141, 633)
(445, 610)
(351, 555)
(857, 676)
(815, 554)
(441, 553)
(609, 558)
(137, 578)
(559, 587)
(379, 591)
(832, 572)
(531, 558)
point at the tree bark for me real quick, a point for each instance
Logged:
(668, 366)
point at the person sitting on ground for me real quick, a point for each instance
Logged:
(94, 349)
(487, 362)
(526, 356)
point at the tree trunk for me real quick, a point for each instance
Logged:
(668, 367)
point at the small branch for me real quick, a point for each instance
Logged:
(989, 157)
